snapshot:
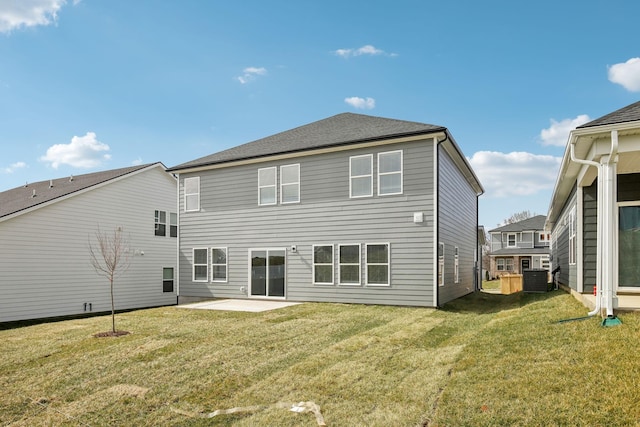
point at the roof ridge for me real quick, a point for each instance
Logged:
(37, 193)
(339, 129)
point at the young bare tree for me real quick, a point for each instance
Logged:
(518, 216)
(110, 258)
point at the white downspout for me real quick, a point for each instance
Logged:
(606, 225)
(598, 227)
(609, 167)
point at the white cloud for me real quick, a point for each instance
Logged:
(137, 162)
(558, 133)
(626, 74)
(364, 50)
(250, 73)
(82, 152)
(361, 103)
(516, 173)
(29, 13)
(12, 168)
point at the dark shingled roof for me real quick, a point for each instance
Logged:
(21, 198)
(341, 129)
(630, 113)
(521, 251)
(534, 223)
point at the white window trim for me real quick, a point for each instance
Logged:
(441, 264)
(351, 177)
(498, 264)
(184, 183)
(616, 265)
(274, 186)
(515, 240)
(572, 237)
(173, 280)
(340, 264)
(193, 265)
(283, 184)
(400, 172)
(172, 224)
(226, 264)
(388, 264)
(456, 265)
(506, 264)
(157, 222)
(333, 255)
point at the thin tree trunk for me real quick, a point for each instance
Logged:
(113, 311)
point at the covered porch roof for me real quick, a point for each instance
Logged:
(592, 142)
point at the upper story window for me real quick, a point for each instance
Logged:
(192, 194)
(290, 183)
(160, 228)
(160, 223)
(173, 224)
(390, 173)
(511, 240)
(361, 176)
(267, 186)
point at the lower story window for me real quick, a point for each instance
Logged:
(440, 264)
(349, 258)
(378, 264)
(200, 265)
(218, 264)
(167, 279)
(323, 264)
(504, 264)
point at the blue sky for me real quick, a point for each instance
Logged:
(92, 85)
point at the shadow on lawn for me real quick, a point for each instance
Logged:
(485, 303)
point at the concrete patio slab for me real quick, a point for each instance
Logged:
(250, 305)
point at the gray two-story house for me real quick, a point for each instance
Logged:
(352, 209)
(519, 246)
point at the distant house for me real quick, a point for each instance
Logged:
(519, 246)
(45, 228)
(352, 208)
(594, 215)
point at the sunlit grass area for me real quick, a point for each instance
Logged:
(481, 360)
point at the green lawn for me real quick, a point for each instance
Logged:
(482, 360)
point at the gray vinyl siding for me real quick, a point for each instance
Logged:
(44, 256)
(628, 189)
(457, 227)
(231, 217)
(589, 236)
(560, 254)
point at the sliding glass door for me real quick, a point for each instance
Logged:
(268, 271)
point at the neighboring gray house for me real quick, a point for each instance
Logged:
(45, 229)
(352, 208)
(519, 246)
(594, 215)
